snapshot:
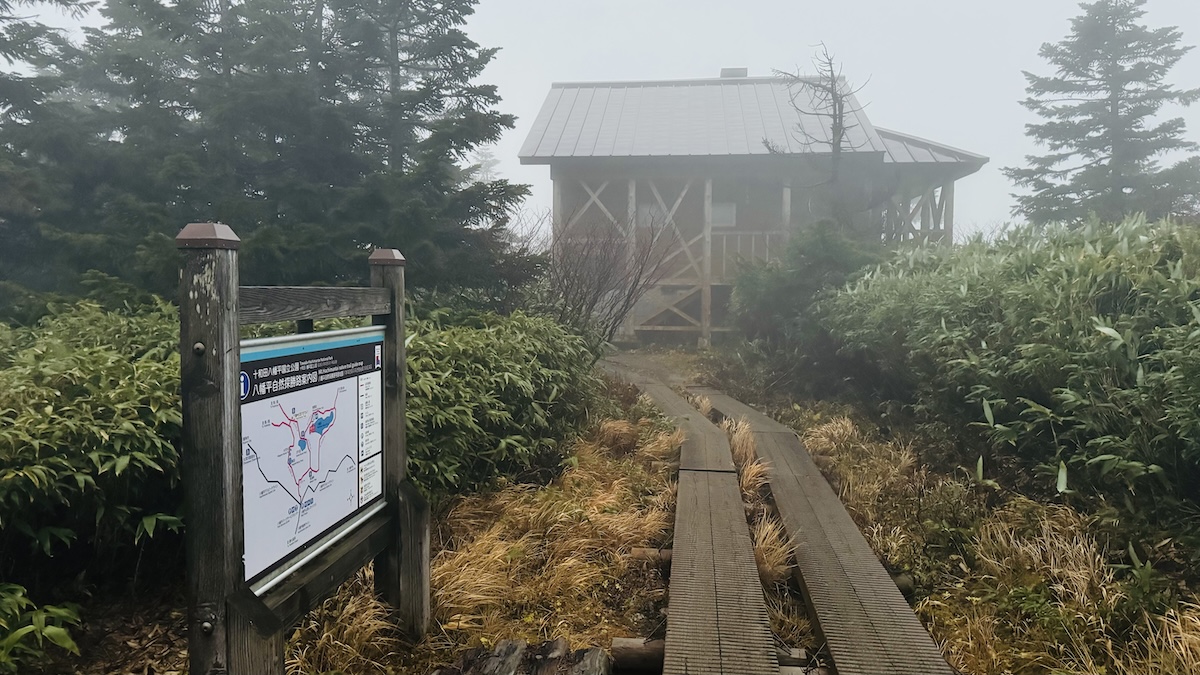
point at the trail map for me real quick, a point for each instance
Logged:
(312, 442)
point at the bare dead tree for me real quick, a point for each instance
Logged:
(598, 272)
(826, 96)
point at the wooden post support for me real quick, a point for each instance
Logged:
(786, 210)
(926, 214)
(948, 212)
(558, 219)
(221, 639)
(706, 271)
(631, 224)
(402, 569)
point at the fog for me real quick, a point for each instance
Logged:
(947, 70)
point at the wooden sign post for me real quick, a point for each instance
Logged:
(308, 430)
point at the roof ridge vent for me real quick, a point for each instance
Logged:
(735, 72)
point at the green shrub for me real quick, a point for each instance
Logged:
(1077, 350)
(25, 628)
(787, 350)
(492, 396)
(772, 300)
(90, 425)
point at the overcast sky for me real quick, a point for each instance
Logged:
(947, 70)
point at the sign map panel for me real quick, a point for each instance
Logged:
(312, 439)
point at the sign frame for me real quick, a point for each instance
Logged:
(235, 626)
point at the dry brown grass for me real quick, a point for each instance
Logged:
(753, 478)
(620, 436)
(772, 551)
(789, 620)
(350, 632)
(741, 441)
(526, 562)
(1033, 591)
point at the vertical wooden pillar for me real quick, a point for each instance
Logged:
(706, 271)
(926, 214)
(220, 639)
(906, 218)
(948, 212)
(631, 221)
(787, 205)
(402, 570)
(558, 219)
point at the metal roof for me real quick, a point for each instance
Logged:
(682, 118)
(908, 149)
(728, 116)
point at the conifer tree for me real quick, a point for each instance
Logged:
(1099, 121)
(316, 128)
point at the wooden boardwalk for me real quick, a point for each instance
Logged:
(717, 618)
(867, 625)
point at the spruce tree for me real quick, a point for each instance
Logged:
(316, 128)
(1099, 121)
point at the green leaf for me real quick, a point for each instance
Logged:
(148, 523)
(987, 413)
(1112, 333)
(59, 636)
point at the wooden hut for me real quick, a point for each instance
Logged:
(726, 168)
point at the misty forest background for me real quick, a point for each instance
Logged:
(1057, 362)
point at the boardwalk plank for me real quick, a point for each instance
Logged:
(867, 625)
(717, 622)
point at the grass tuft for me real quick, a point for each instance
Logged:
(772, 551)
(1005, 584)
(741, 441)
(619, 436)
(753, 479)
(349, 632)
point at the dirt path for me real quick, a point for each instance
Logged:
(673, 368)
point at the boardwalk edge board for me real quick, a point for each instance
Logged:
(717, 622)
(867, 625)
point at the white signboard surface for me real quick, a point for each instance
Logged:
(312, 439)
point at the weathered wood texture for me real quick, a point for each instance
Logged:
(638, 655)
(866, 623)
(717, 621)
(221, 638)
(402, 570)
(705, 447)
(230, 629)
(265, 304)
(658, 556)
(510, 657)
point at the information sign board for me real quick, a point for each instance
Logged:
(312, 439)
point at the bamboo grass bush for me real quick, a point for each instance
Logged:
(90, 425)
(1075, 351)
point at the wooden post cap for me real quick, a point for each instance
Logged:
(386, 256)
(207, 235)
